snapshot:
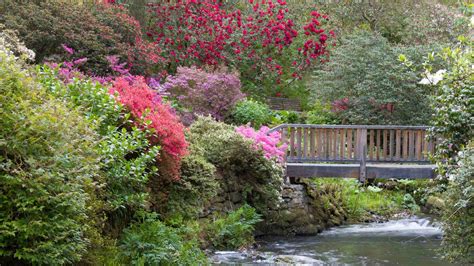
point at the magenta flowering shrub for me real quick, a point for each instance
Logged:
(270, 144)
(204, 93)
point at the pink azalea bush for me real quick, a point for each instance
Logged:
(270, 144)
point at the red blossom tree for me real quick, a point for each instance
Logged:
(261, 42)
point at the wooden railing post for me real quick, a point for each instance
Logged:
(362, 153)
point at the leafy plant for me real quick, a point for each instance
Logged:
(150, 242)
(233, 231)
(48, 172)
(365, 84)
(458, 218)
(237, 162)
(197, 186)
(107, 30)
(251, 112)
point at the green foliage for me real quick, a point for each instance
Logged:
(150, 242)
(251, 112)
(321, 114)
(128, 159)
(285, 117)
(400, 22)
(453, 118)
(48, 172)
(233, 231)
(458, 218)
(239, 164)
(196, 187)
(367, 85)
(45, 25)
(359, 200)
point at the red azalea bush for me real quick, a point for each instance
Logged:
(204, 93)
(144, 103)
(261, 42)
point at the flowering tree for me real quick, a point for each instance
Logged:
(203, 93)
(261, 41)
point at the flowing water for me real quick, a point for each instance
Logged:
(411, 241)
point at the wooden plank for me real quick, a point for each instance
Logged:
(379, 144)
(349, 144)
(388, 171)
(356, 143)
(425, 146)
(352, 170)
(391, 145)
(322, 170)
(348, 127)
(385, 144)
(320, 144)
(398, 144)
(371, 144)
(342, 141)
(284, 136)
(418, 144)
(298, 143)
(312, 143)
(362, 154)
(334, 143)
(405, 145)
(411, 145)
(292, 143)
(305, 143)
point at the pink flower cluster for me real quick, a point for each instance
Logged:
(270, 144)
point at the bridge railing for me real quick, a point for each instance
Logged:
(355, 143)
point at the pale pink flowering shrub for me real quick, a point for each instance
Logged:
(270, 144)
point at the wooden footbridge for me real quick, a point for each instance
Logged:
(354, 151)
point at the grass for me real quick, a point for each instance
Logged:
(362, 201)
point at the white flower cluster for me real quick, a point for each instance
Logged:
(10, 44)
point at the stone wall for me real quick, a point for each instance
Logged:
(304, 209)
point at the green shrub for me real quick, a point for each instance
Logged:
(94, 35)
(48, 173)
(234, 230)
(253, 112)
(285, 117)
(458, 218)
(241, 166)
(151, 242)
(366, 84)
(321, 114)
(196, 187)
(128, 159)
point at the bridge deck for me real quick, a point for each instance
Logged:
(385, 171)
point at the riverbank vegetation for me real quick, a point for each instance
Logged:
(137, 134)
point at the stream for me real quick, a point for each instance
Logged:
(411, 241)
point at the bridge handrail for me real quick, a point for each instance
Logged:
(311, 143)
(401, 127)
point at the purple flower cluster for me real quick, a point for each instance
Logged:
(270, 144)
(204, 93)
